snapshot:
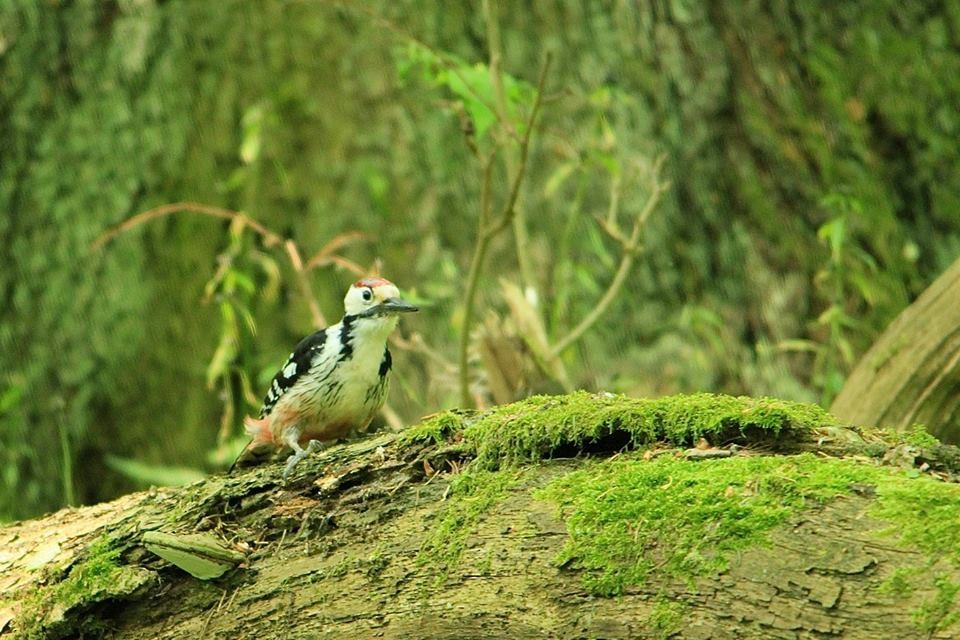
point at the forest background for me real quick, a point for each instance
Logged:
(669, 196)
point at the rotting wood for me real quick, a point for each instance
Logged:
(337, 553)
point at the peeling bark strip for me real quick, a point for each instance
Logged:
(390, 540)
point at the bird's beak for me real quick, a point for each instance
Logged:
(396, 305)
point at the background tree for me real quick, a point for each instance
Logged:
(811, 151)
(910, 375)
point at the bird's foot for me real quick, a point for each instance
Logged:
(299, 454)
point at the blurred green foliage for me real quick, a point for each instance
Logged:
(811, 148)
(470, 83)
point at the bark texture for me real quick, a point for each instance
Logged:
(776, 118)
(911, 374)
(339, 552)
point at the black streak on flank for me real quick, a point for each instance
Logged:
(385, 363)
(346, 337)
(302, 355)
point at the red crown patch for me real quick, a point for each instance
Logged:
(372, 282)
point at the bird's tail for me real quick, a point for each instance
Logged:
(258, 428)
(260, 447)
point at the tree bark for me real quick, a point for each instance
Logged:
(911, 375)
(338, 552)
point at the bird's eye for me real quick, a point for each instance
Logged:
(367, 295)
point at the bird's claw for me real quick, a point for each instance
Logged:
(299, 454)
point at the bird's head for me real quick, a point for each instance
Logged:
(374, 297)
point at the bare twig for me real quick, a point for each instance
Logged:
(509, 209)
(415, 343)
(270, 238)
(213, 610)
(226, 418)
(343, 263)
(487, 232)
(473, 276)
(631, 249)
(521, 239)
(326, 255)
(293, 254)
(496, 77)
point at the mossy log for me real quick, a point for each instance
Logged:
(571, 516)
(911, 374)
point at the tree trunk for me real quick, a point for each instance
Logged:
(768, 112)
(358, 545)
(911, 375)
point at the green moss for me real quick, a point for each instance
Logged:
(436, 429)
(900, 582)
(472, 494)
(918, 436)
(538, 427)
(375, 564)
(341, 568)
(938, 614)
(667, 617)
(543, 426)
(924, 512)
(618, 511)
(96, 578)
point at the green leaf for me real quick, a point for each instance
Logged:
(240, 280)
(252, 134)
(10, 398)
(558, 178)
(154, 474)
(221, 360)
(834, 232)
(248, 320)
(470, 83)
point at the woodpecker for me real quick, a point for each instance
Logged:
(335, 380)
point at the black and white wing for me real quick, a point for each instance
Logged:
(298, 364)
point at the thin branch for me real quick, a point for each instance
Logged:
(519, 221)
(269, 238)
(227, 416)
(473, 276)
(631, 249)
(416, 344)
(326, 253)
(496, 77)
(485, 190)
(344, 263)
(509, 209)
(487, 233)
(659, 188)
(610, 224)
(293, 253)
(626, 263)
